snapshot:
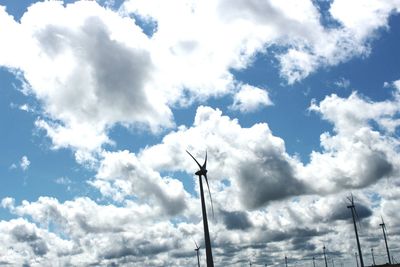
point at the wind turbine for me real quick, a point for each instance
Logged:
(354, 214)
(355, 254)
(373, 257)
(384, 235)
(203, 172)
(326, 263)
(197, 252)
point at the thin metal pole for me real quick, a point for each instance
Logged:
(352, 207)
(313, 261)
(356, 259)
(285, 261)
(210, 262)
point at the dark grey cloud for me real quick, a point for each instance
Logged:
(269, 177)
(125, 247)
(341, 212)
(236, 220)
(23, 234)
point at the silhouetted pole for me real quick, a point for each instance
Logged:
(384, 235)
(250, 263)
(285, 261)
(373, 258)
(210, 262)
(326, 263)
(198, 258)
(333, 263)
(313, 261)
(356, 259)
(352, 207)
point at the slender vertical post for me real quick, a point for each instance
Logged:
(352, 207)
(210, 262)
(313, 261)
(333, 263)
(326, 263)
(373, 258)
(285, 261)
(198, 258)
(384, 235)
(356, 259)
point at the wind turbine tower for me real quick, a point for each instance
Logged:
(197, 252)
(373, 258)
(354, 214)
(200, 173)
(355, 254)
(384, 235)
(326, 263)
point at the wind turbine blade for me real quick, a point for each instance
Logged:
(209, 192)
(194, 159)
(205, 162)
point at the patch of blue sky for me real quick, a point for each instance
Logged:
(16, 8)
(148, 25)
(132, 138)
(326, 19)
(289, 117)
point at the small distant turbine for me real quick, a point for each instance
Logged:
(326, 263)
(203, 172)
(354, 215)
(197, 252)
(355, 254)
(384, 235)
(373, 257)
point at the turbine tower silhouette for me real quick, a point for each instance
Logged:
(197, 252)
(384, 235)
(203, 172)
(354, 215)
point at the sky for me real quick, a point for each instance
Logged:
(295, 102)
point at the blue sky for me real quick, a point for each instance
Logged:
(296, 103)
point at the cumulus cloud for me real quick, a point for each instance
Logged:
(95, 72)
(252, 159)
(359, 153)
(250, 98)
(121, 174)
(99, 68)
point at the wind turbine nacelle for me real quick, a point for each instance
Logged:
(201, 172)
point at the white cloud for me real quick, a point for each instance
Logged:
(358, 154)
(99, 69)
(24, 163)
(250, 98)
(121, 174)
